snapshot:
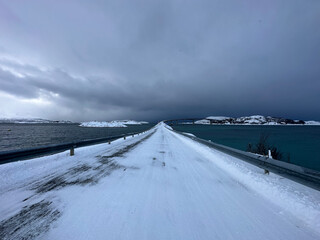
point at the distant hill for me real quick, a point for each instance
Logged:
(254, 120)
(31, 120)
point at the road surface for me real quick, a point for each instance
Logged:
(159, 185)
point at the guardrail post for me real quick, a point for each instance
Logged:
(72, 151)
(11, 156)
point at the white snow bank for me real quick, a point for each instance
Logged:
(190, 134)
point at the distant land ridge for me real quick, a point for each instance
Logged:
(31, 120)
(254, 120)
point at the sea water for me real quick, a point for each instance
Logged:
(23, 136)
(299, 145)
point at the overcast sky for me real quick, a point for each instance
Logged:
(150, 60)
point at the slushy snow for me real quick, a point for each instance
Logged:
(158, 185)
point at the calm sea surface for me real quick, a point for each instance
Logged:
(21, 136)
(300, 145)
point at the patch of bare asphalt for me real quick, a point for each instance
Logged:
(30, 222)
(35, 219)
(79, 175)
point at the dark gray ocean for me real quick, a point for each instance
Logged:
(299, 145)
(22, 136)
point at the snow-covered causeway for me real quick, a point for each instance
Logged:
(158, 185)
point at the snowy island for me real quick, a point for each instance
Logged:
(253, 120)
(116, 123)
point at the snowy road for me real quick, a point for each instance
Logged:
(159, 185)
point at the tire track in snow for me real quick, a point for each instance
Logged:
(188, 197)
(35, 218)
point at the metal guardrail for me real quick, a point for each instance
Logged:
(24, 154)
(305, 176)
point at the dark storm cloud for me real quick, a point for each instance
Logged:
(162, 59)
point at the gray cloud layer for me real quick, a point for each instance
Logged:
(160, 59)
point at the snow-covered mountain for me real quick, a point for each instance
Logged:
(31, 120)
(116, 123)
(254, 120)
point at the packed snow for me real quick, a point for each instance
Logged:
(158, 185)
(116, 123)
